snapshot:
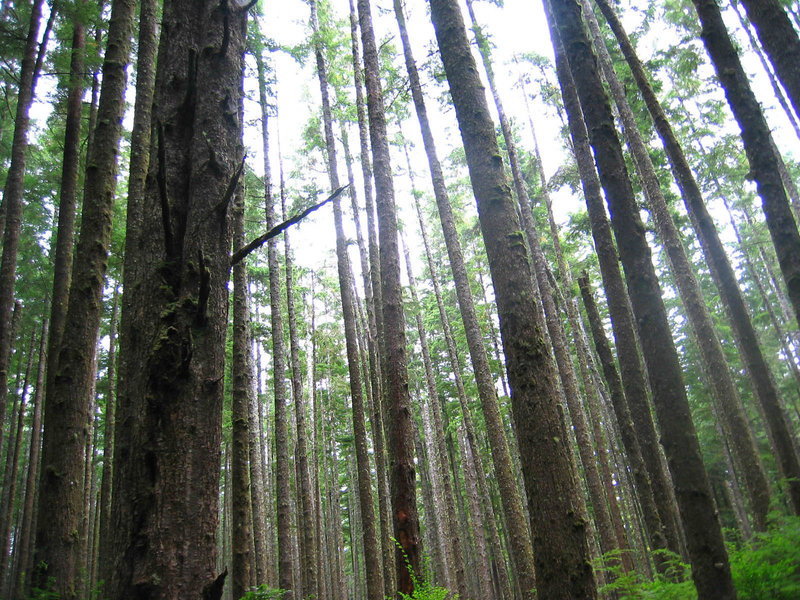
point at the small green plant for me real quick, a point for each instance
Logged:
(263, 592)
(674, 584)
(423, 588)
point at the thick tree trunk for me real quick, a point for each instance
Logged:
(64, 239)
(708, 556)
(631, 368)
(559, 529)
(400, 439)
(715, 364)
(167, 463)
(519, 537)
(66, 411)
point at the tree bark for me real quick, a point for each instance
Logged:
(519, 537)
(779, 38)
(760, 154)
(715, 364)
(559, 529)
(622, 319)
(13, 191)
(67, 403)
(167, 464)
(400, 439)
(241, 375)
(708, 556)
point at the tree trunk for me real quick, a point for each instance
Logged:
(631, 368)
(709, 559)
(242, 388)
(66, 410)
(520, 542)
(167, 463)
(23, 545)
(559, 530)
(779, 38)
(400, 439)
(715, 364)
(13, 191)
(761, 156)
(454, 558)
(64, 239)
(764, 170)
(104, 550)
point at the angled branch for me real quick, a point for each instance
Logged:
(262, 239)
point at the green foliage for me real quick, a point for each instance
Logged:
(765, 568)
(423, 588)
(768, 567)
(263, 592)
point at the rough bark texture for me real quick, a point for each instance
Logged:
(400, 438)
(167, 463)
(559, 529)
(63, 245)
(631, 368)
(764, 170)
(519, 537)
(779, 38)
(726, 398)
(710, 566)
(66, 413)
(376, 377)
(241, 374)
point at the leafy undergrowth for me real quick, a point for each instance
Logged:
(765, 568)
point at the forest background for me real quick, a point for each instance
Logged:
(329, 559)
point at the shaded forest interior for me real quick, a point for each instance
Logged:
(414, 300)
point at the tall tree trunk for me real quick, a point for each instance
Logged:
(780, 96)
(400, 439)
(258, 491)
(23, 541)
(715, 364)
(12, 472)
(708, 556)
(167, 463)
(375, 583)
(104, 550)
(283, 490)
(241, 375)
(454, 557)
(780, 40)
(376, 331)
(520, 542)
(762, 158)
(64, 239)
(764, 169)
(622, 319)
(13, 190)
(559, 529)
(66, 410)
